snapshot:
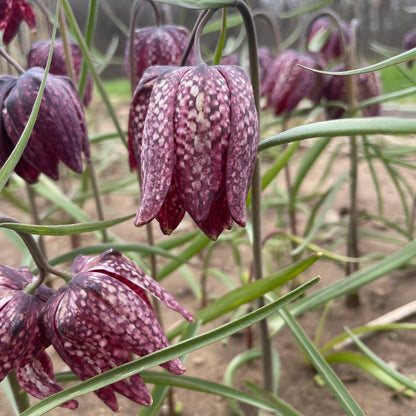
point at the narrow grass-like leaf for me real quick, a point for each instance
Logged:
(215, 25)
(380, 363)
(274, 170)
(354, 281)
(342, 127)
(143, 249)
(305, 8)
(308, 160)
(67, 229)
(336, 386)
(88, 61)
(239, 361)
(366, 329)
(205, 386)
(187, 253)
(158, 357)
(321, 217)
(360, 361)
(199, 4)
(284, 408)
(248, 293)
(394, 60)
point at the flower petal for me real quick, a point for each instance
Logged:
(157, 147)
(37, 378)
(202, 126)
(244, 137)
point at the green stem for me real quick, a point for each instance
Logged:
(273, 26)
(37, 255)
(89, 39)
(35, 215)
(21, 399)
(200, 26)
(69, 62)
(11, 61)
(221, 40)
(97, 198)
(267, 358)
(85, 52)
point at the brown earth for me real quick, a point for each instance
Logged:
(297, 385)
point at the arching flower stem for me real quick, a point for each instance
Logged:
(11, 61)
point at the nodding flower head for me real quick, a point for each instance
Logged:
(12, 12)
(194, 133)
(157, 45)
(38, 56)
(326, 38)
(60, 130)
(287, 83)
(366, 85)
(103, 316)
(22, 346)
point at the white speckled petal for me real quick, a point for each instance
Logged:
(157, 156)
(202, 126)
(244, 137)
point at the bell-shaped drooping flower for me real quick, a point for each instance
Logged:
(366, 86)
(12, 12)
(157, 45)
(60, 131)
(102, 316)
(23, 168)
(38, 56)
(265, 61)
(287, 83)
(195, 133)
(326, 38)
(22, 347)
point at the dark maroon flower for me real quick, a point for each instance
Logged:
(38, 56)
(265, 61)
(326, 38)
(287, 83)
(409, 42)
(60, 132)
(103, 316)
(23, 168)
(21, 343)
(194, 131)
(157, 45)
(12, 12)
(367, 85)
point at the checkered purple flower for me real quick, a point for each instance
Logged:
(194, 133)
(38, 56)
(12, 12)
(22, 346)
(157, 45)
(102, 316)
(60, 131)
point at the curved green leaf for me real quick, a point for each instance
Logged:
(394, 60)
(161, 356)
(199, 4)
(67, 229)
(342, 127)
(308, 7)
(336, 386)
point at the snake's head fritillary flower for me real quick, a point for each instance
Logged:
(326, 38)
(23, 168)
(231, 59)
(367, 85)
(103, 316)
(265, 61)
(60, 130)
(287, 83)
(157, 45)
(195, 133)
(38, 56)
(22, 346)
(12, 13)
